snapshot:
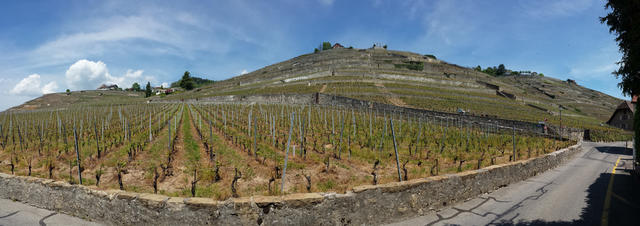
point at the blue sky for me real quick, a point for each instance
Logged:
(49, 46)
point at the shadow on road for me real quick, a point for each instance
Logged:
(624, 207)
(615, 150)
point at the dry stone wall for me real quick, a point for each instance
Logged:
(369, 204)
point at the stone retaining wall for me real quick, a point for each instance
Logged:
(368, 204)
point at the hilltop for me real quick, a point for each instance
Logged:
(399, 78)
(420, 81)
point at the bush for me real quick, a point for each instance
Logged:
(411, 65)
(326, 45)
(610, 135)
(135, 87)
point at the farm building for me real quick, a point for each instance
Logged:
(337, 46)
(623, 115)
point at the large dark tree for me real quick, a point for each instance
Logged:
(624, 21)
(501, 70)
(147, 90)
(186, 82)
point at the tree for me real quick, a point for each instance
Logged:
(135, 87)
(501, 70)
(326, 45)
(147, 90)
(624, 21)
(68, 91)
(478, 68)
(186, 82)
(490, 70)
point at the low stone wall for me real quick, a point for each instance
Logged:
(368, 204)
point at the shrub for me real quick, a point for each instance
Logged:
(326, 45)
(434, 57)
(411, 65)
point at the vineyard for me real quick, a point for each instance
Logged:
(231, 150)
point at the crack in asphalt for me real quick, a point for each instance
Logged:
(44, 218)
(516, 206)
(542, 190)
(8, 215)
(460, 211)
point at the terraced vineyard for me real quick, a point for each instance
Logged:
(393, 77)
(226, 150)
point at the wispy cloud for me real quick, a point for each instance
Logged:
(327, 2)
(597, 65)
(445, 24)
(554, 8)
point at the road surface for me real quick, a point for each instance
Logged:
(17, 213)
(587, 190)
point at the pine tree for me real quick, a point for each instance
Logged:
(147, 90)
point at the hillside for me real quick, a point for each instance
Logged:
(398, 78)
(420, 81)
(58, 101)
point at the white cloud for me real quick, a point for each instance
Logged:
(244, 71)
(165, 85)
(50, 87)
(85, 75)
(30, 86)
(133, 74)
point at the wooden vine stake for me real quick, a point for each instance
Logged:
(286, 156)
(75, 137)
(395, 148)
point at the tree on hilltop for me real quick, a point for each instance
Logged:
(135, 87)
(186, 82)
(501, 70)
(326, 45)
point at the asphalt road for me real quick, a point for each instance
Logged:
(584, 191)
(17, 213)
